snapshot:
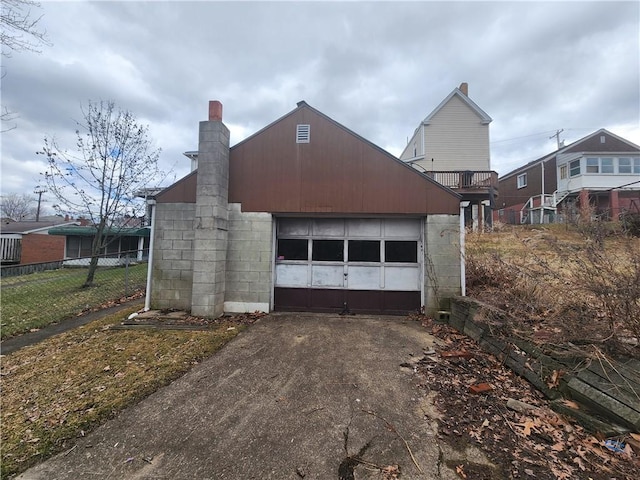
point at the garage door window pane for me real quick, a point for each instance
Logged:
(290, 249)
(328, 250)
(364, 251)
(401, 252)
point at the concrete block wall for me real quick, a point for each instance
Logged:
(442, 261)
(211, 217)
(249, 261)
(171, 285)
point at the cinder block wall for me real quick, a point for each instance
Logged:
(442, 261)
(171, 285)
(249, 261)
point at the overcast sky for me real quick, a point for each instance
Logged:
(377, 68)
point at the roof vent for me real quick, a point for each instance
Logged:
(303, 133)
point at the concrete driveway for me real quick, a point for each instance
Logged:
(295, 396)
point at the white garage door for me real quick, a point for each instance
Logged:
(361, 256)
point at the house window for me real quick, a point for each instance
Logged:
(522, 180)
(628, 165)
(606, 165)
(574, 168)
(303, 133)
(600, 165)
(563, 172)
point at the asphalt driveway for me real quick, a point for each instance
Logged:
(295, 396)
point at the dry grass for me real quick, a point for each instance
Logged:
(561, 283)
(61, 388)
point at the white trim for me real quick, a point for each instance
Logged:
(485, 119)
(246, 307)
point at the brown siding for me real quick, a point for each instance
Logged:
(593, 144)
(183, 191)
(337, 172)
(510, 194)
(42, 248)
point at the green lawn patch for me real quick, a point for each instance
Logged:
(39, 299)
(67, 385)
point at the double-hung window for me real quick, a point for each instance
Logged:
(522, 180)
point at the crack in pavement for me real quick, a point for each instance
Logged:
(346, 467)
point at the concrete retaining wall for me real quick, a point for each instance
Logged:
(607, 389)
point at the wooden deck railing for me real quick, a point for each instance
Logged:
(466, 179)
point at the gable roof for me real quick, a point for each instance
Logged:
(25, 228)
(584, 144)
(484, 117)
(337, 171)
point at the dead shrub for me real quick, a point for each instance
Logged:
(585, 291)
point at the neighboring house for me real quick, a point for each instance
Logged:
(124, 244)
(452, 146)
(601, 170)
(28, 242)
(303, 215)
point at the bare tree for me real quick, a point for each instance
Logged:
(19, 28)
(18, 207)
(19, 32)
(113, 159)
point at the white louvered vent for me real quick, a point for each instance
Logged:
(303, 133)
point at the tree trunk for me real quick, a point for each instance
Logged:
(95, 254)
(93, 266)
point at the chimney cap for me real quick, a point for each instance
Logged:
(215, 111)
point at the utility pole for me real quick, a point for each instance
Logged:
(38, 191)
(557, 135)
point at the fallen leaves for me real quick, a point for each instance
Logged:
(526, 437)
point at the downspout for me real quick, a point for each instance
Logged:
(463, 272)
(542, 197)
(147, 297)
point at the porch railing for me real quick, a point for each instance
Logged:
(466, 179)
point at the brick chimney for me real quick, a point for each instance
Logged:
(215, 111)
(464, 88)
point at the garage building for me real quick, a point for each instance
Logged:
(304, 215)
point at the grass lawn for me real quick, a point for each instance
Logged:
(61, 388)
(59, 295)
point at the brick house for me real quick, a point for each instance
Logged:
(601, 169)
(303, 215)
(30, 242)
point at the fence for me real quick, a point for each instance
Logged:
(39, 299)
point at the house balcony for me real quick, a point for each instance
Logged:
(468, 182)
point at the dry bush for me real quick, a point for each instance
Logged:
(583, 287)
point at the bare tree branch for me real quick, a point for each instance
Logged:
(19, 28)
(18, 207)
(112, 161)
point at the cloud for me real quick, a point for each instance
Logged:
(376, 67)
